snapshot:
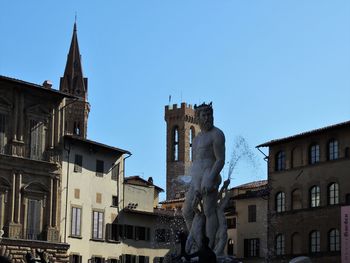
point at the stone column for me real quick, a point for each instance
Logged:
(52, 129)
(13, 196)
(50, 208)
(18, 198)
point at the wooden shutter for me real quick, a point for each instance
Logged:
(257, 247)
(148, 235)
(246, 248)
(108, 231)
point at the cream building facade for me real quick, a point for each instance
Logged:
(247, 222)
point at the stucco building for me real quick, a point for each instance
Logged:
(308, 178)
(247, 221)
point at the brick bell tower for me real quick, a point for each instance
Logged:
(181, 130)
(74, 83)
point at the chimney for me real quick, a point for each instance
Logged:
(47, 84)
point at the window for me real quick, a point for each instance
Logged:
(112, 260)
(37, 139)
(315, 196)
(115, 172)
(333, 150)
(315, 241)
(142, 233)
(75, 259)
(143, 259)
(76, 222)
(296, 199)
(230, 247)
(280, 161)
(78, 163)
(191, 137)
(280, 202)
(333, 194)
(34, 213)
(3, 132)
(334, 240)
(231, 223)
(99, 168)
(314, 153)
(162, 235)
(251, 247)
(252, 213)
(129, 232)
(114, 200)
(127, 258)
(176, 144)
(280, 245)
(97, 225)
(97, 260)
(112, 231)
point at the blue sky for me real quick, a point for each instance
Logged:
(271, 68)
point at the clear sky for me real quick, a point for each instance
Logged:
(271, 68)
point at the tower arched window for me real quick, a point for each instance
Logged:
(280, 202)
(280, 161)
(315, 196)
(333, 150)
(280, 245)
(176, 144)
(333, 240)
(191, 137)
(333, 194)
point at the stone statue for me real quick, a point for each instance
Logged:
(208, 160)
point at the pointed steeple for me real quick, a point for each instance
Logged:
(73, 81)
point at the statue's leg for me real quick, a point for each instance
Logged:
(187, 210)
(209, 206)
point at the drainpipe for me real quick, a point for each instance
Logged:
(66, 212)
(123, 180)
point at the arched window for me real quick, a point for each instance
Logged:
(296, 199)
(280, 202)
(280, 245)
(296, 244)
(314, 153)
(314, 238)
(191, 137)
(333, 194)
(333, 150)
(315, 196)
(280, 161)
(176, 144)
(334, 240)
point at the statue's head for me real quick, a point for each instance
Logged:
(204, 115)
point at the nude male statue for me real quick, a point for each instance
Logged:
(208, 160)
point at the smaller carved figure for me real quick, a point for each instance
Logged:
(194, 240)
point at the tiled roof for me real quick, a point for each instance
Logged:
(170, 201)
(254, 184)
(331, 127)
(138, 178)
(101, 145)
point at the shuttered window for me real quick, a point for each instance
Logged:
(37, 139)
(78, 163)
(97, 225)
(115, 172)
(33, 219)
(99, 168)
(76, 221)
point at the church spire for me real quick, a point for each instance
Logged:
(73, 81)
